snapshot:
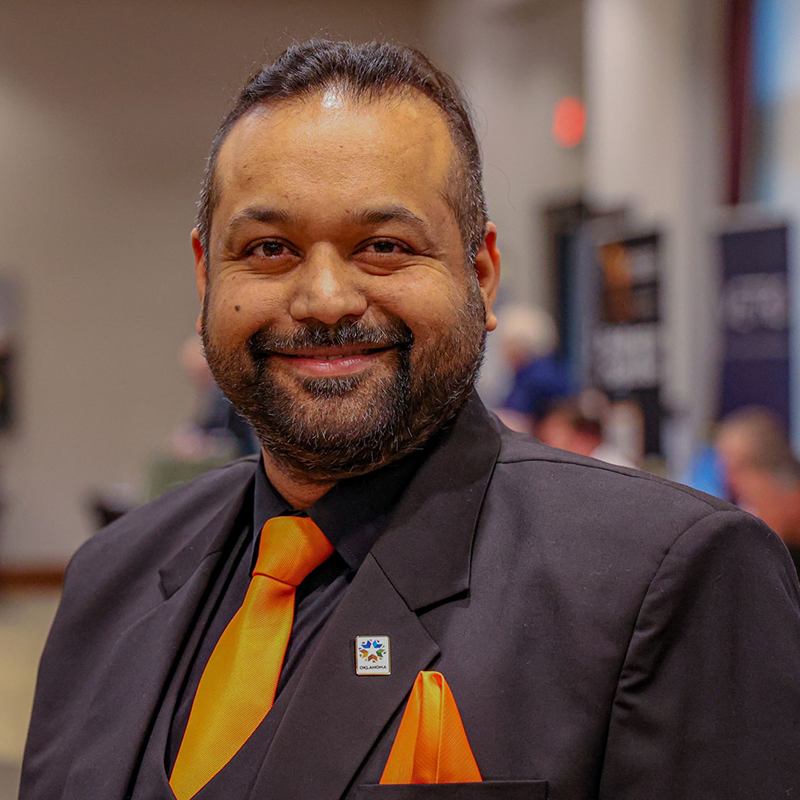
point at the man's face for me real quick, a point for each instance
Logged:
(338, 314)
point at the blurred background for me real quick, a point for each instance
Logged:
(642, 163)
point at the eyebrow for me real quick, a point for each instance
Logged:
(259, 214)
(395, 213)
(265, 214)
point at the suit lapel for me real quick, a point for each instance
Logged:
(334, 716)
(426, 551)
(140, 664)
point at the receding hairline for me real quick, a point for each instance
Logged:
(458, 172)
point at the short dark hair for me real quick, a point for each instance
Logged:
(364, 71)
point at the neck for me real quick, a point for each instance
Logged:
(299, 493)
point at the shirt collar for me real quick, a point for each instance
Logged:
(353, 514)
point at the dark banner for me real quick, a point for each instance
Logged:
(754, 311)
(627, 338)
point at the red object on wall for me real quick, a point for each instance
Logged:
(569, 122)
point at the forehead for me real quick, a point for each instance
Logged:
(342, 147)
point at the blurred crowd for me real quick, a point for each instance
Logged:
(544, 400)
(748, 461)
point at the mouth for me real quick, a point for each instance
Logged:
(330, 362)
(330, 353)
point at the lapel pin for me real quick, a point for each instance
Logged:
(373, 656)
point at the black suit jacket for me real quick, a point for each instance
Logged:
(606, 634)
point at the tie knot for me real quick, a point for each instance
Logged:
(290, 549)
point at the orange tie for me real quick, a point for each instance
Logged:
(431, 745)
(237, 688)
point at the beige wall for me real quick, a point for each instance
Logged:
(516, 60)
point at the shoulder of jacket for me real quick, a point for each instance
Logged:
(525, 456)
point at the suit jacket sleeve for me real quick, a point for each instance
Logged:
(708, 699)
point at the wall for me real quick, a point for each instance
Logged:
(516, 59)
(655, 90)
(106, 112)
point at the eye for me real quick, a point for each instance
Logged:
(385, 247)
(268, 249)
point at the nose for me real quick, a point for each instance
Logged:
(326, 289)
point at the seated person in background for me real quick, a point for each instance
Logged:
(216, 429)
(528, 341)
(762, 472)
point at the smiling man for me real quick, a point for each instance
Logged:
(340, 313)
(400, 592)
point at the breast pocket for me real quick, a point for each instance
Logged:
(488, 790)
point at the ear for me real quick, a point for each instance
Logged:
(487, 268)
(200, 273)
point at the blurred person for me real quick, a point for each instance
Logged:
(773, 494)
(584, 631)
(528, 342)
(577, 425)
(214, 435)
(216, 429)
(762, 472)
(747, 440)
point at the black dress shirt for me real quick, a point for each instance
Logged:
(352, 515)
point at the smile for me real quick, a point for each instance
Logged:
(330, 361)
(331, 354)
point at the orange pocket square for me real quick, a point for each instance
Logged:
(431, 745)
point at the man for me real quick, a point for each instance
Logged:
(528, 342)
(576, 424)
(604, 633)
(762, 472)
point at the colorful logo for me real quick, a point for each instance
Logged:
(372, 655)
(372, 650)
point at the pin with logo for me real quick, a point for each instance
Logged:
(373, 655)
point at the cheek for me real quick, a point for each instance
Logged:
(427, 304)
(238, 311)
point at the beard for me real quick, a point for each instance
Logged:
(324, 429)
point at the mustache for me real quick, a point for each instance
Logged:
(394, 333)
